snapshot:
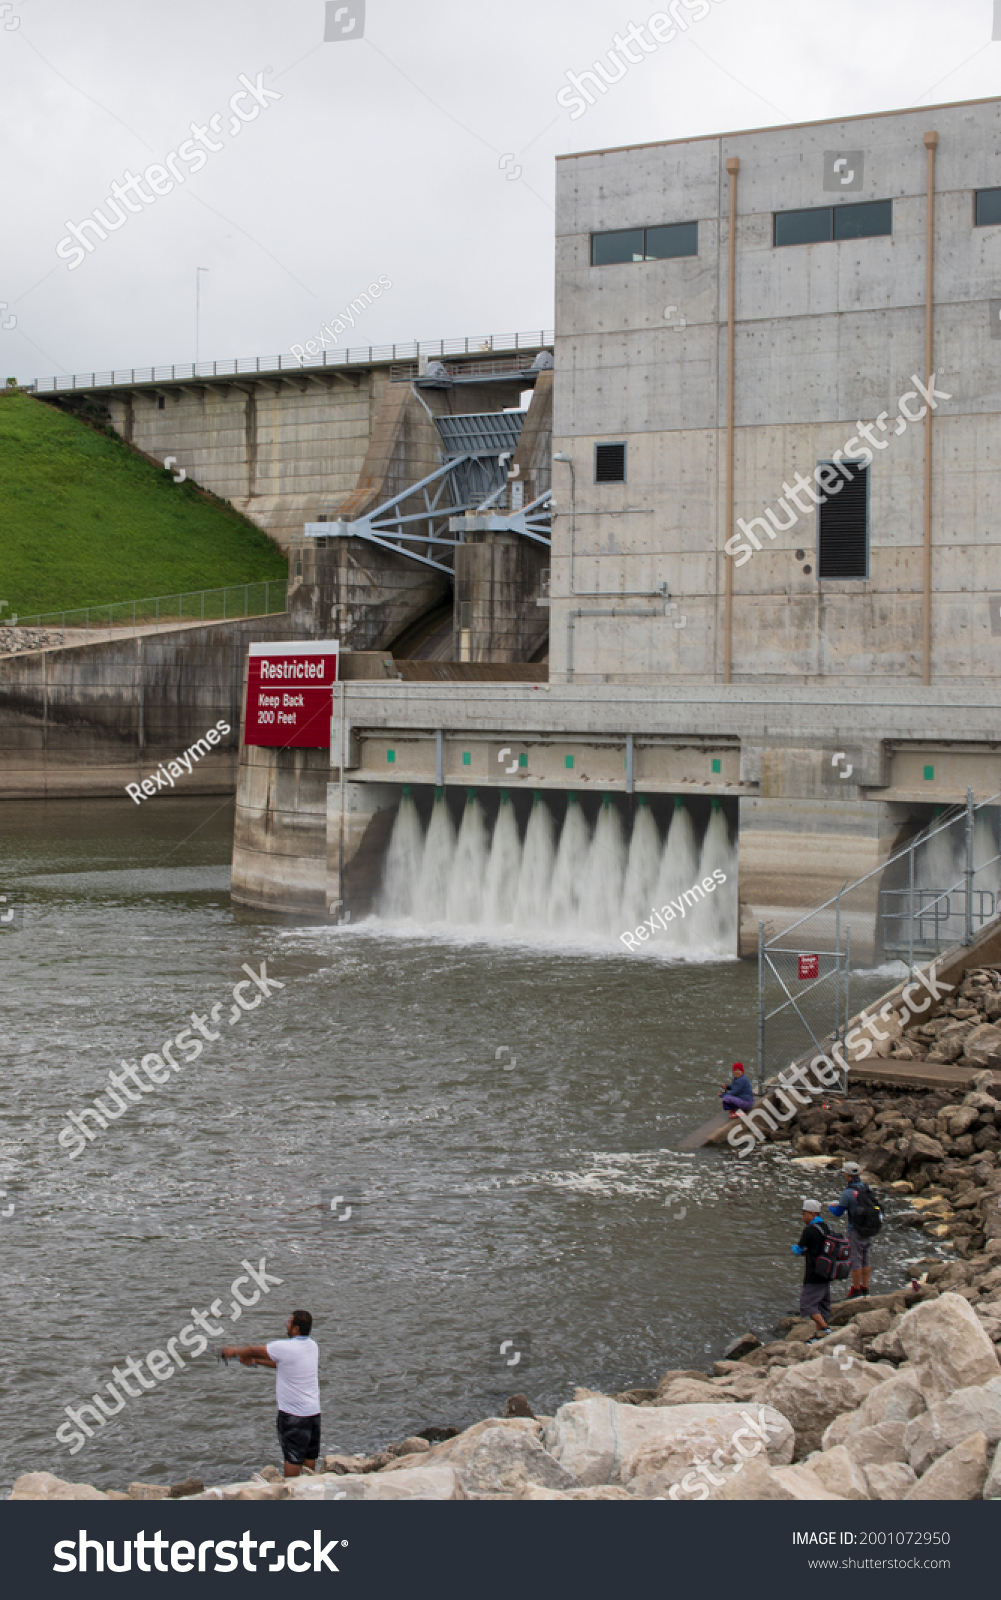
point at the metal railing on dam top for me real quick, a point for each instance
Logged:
(822, 970)
(476, 344)
(265, 598)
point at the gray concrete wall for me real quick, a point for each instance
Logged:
(277, 448)
(827, 335)
(85, 720)
(287, 447)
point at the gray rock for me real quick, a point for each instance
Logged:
(505, 1459)
(948, 1422)
(889, 1480)
(419, 1483)
(897, 1400)
(812, 1394)
(958, 1475)
(947, 1345)
(593, 1439)
(758, 1481)
(992, 1488)
(883, 1442)
(839, 1473)
(46, 1486)
(742, 1347)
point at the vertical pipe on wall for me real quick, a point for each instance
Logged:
(732, 167)
(931, 144)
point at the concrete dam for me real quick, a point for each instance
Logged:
(636, 602)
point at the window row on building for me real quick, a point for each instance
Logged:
(867, 219)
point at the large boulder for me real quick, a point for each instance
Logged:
(598, 1491)
(759, 1481)
(897, 1400)
(420, 1483)
(883, 1442)
(922, 1147)
(839, 1473)
(593, 1439)
(45, 1486)
(958, 1475)
(812, 1394)
(889, 1480)
(992, 1488)
(686, 1392)
(948, 1422)
(501, 1460)
(947, 1346)
(982, 1042)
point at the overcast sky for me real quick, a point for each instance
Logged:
(418, 147)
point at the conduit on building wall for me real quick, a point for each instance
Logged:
(732, 167)
(931, 145)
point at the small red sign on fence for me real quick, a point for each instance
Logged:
(809, 966)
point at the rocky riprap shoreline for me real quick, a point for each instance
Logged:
(14, 639)
(901, 1401)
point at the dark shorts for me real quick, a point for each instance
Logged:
(299, 1437)
(815, 1298)
(861, 1250)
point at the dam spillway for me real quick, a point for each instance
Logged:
(564, 868)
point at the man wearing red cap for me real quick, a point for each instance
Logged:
(738, 1096)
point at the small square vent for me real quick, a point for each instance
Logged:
(609, 463)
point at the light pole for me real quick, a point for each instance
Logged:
(198, 311)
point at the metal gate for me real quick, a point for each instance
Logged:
(826, 967)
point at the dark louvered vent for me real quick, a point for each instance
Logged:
(844, 529)
(610, 463)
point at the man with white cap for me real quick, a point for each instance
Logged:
(815, 1295)
(859, 1204)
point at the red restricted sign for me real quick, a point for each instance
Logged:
(809, 966)
(290, 695)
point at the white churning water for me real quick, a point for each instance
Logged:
(564, 881)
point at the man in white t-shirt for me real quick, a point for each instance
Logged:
(297, 1389)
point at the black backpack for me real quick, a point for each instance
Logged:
(833, 1259)
(868, 1218)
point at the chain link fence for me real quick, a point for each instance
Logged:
(821, 971)
(261, 599)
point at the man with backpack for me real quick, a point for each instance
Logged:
(865, 1219)
(815, 1295)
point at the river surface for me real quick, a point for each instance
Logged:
(499, 1116)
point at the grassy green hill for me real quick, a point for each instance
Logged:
(84, 520)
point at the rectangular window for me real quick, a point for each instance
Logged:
(608, 248)
(609, 463)
(988, 207)
(869, 220)
(803, 227)
(645, 244)
(843, 542)
(680, 239)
